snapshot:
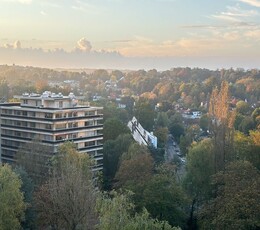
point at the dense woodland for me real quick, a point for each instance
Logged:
(140, 188)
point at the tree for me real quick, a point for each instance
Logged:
(116, 212)
(162, 120)
(158, 154)
(236, 205)
(221, 126)
(135, 168)
(246, 125)
(113, 128)
(145, 114)
(197, 181)
(113, 150)
(204, 122)
(242, 107)
(27, 189)
(164, 198)
(200, 167)
(177, 130)
(162, 136)
(67, 200)
(11, 199)
(247, 147)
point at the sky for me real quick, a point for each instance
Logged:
(130, 34)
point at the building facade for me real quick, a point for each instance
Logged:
(52, 119)
(140, 135)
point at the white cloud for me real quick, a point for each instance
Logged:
(19, 1)
(17, 45)
(235, 14)
(84, 45)
(85, 7)
(43, 13)
(255, 3)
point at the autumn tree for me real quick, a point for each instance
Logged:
(221, 126)
(67, 199)
(12, 205)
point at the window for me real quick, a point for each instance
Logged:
(48, 126)
(61, 126)
(89, 123)
(48, 115)
(90, 143)
(60, 104)
(17, 112)
(25, 101)
(32, 125)
(58, 115)
(38, 103)
(89, 113)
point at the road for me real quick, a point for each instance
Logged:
(173, 154)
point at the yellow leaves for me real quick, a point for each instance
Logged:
(255, 135)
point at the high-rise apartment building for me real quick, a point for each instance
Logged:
(52, 119)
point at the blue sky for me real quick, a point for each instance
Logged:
(133, 29)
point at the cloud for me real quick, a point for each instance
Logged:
(18, 1)
(231, 25)
(85, 7)
(235, 14)
(254, 34)
(43, 13)
(84, 45)
(17, 45)
(217, 51)
(255, 3)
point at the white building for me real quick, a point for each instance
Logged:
(141, 135)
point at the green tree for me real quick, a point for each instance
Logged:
(246, 147)
(177, 130)
(200, 168)
(116, 212)
(162, 120)
(11, 199)
(113, 128)
(243, 107)
(67, 200)
(236, 205)
(27, 189)
(164, 198)
(246, 125)
(113, 150)
(204, 122)
(144, 113)
(162, 136)
(135, 168)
